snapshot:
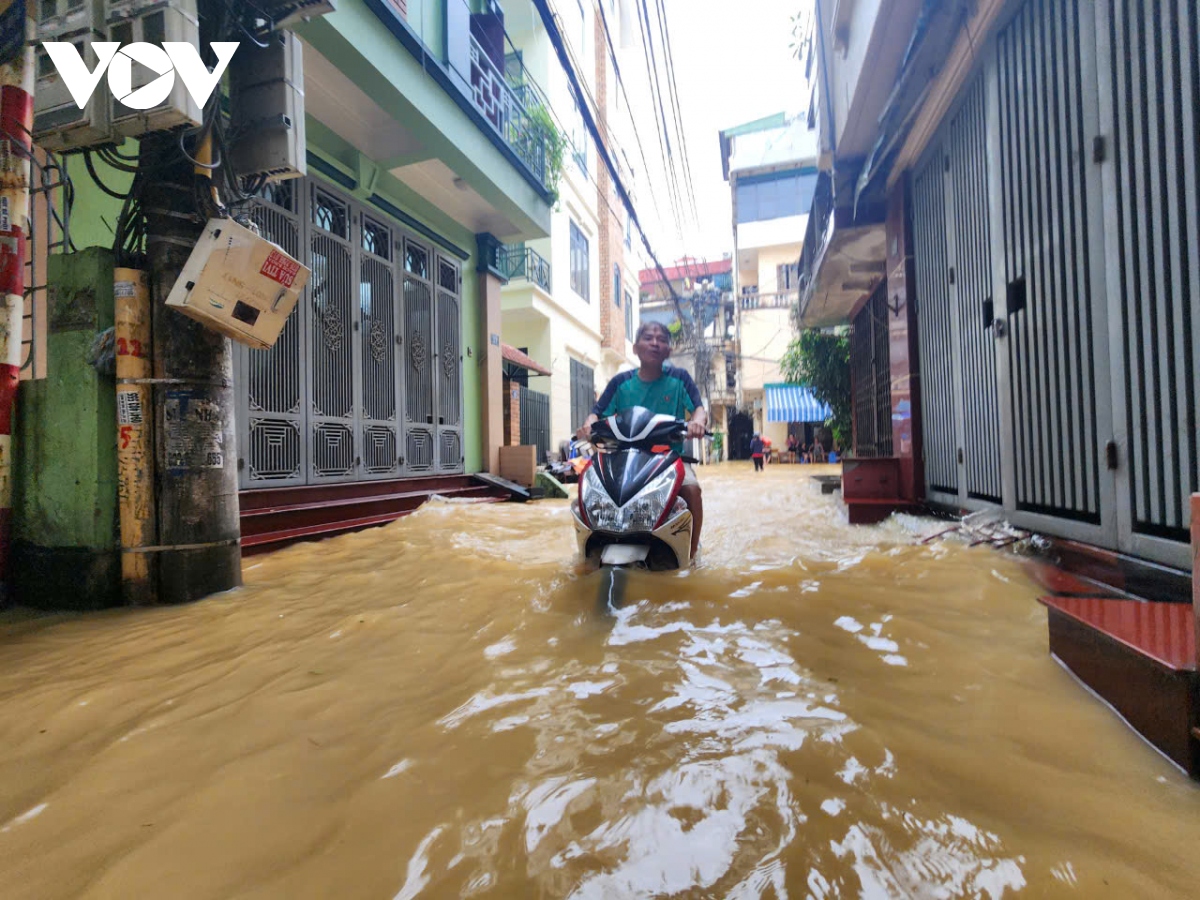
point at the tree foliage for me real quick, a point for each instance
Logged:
(821, 361)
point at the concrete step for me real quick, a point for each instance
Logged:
(1140, 658)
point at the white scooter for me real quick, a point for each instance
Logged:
(629, 513)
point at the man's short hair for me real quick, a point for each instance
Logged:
(646, 326)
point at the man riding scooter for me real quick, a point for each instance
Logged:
(669, 391)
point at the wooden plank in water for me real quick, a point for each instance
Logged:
(515, 491)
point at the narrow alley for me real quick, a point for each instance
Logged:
(438, 708)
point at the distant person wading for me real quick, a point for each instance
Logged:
(756, 452)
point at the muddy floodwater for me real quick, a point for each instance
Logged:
(437, 708)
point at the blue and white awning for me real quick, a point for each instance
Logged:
(794, 403)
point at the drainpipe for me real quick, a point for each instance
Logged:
(16, 125)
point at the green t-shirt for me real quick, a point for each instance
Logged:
(673, 393)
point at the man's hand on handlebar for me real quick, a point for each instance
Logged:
(695, 429)
(585, 430)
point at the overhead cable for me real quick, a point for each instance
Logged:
(556, 40)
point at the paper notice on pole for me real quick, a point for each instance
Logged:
(123, 290)
(193, 431)
(129, 407)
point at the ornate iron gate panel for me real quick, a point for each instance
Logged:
(966, 150)
(332, 364)
(934, 319)
(349, 390)
(1050, 303)
(420, 431)
(449, 368)
(380, 338)
(870, 363)
(1151, 79)
(272, 415)
(535, 421)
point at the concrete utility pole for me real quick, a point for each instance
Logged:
(196, 453)
(17, 29)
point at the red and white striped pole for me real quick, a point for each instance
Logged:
(16, 149)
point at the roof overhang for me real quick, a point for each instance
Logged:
(847, 270)
(521, 360)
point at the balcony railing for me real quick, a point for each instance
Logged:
(772, 300)
(519, 261)
(509, 110)
(815, 237)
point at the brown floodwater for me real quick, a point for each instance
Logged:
(438, 708)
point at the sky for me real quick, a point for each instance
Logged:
(729, 69)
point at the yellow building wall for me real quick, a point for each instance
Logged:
(766, 334)
(769, 260)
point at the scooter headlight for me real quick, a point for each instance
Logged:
(642, 512)
(639, 514)
(602, 513)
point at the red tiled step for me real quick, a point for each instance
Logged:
(273, 517)
(1164, 632)
(1140, 658)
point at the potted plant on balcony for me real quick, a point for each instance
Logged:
(541, 137)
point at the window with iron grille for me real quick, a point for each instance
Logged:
(628, 316)
(870, 363)
(617, 285)
(583, 392)
(788, 276)
(580, 264)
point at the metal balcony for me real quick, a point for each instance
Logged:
(519, 261)
(509, 109)
(773, 300)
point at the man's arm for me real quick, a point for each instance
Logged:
(605, 400)
(699, 416)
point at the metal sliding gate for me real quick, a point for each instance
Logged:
(1049, 196)
(1055, 220)
(535, 421)
(366, 380)
(871, 370)
(1150, 104)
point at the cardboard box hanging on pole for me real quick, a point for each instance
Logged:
(239, 283)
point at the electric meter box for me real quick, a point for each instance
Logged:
(240, 284)
(153, 22)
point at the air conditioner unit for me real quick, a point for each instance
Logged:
(58, 122)
(266, 108)
(131, 21)
(60, 19)
(239, 283)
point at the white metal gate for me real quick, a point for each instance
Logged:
(1055, 220)
(324, 405)
(1150, 93)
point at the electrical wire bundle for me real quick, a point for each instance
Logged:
(217, 189)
